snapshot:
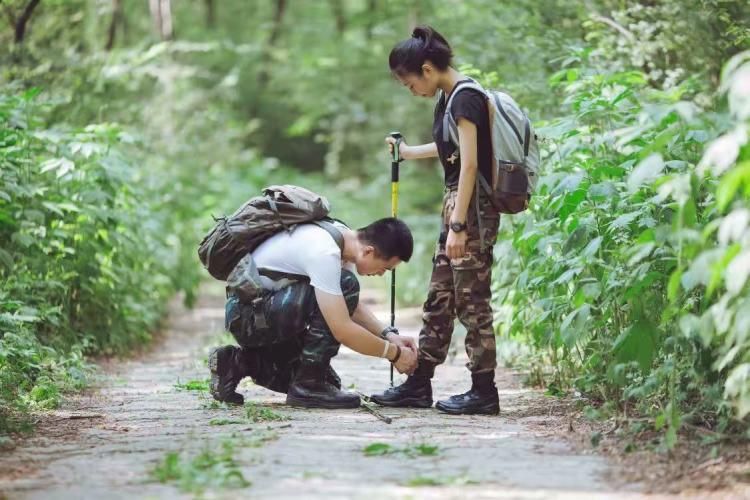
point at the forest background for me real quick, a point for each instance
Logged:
(125, 125)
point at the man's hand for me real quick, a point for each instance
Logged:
(407, 362)
(455, 245)
(403, 342)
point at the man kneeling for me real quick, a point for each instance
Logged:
(288, 337)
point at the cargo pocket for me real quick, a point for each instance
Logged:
(472, 260)
(246, 323)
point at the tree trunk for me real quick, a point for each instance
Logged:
(372, 8)
(161, 12)
(114, 22)
(415, 15)
(20, 23)
(210, 13)
(263, 74)
(339, 15)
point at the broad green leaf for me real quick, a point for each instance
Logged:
(737, 272)
(637, 344)
(646, 171)
(624, 220)
(376, 449)
(733, 227)
(688, 213)
(571, 203)
(642, 284)
(592, 247)
(61, 165)
(737, 387)
(6, 259)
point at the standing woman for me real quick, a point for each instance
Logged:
(462, 264)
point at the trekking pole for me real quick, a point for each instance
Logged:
(394, 213)
(369, 408)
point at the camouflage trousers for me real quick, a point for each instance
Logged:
(461, 288)
(291, 330)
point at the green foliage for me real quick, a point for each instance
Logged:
(225, 421)
(380, 449)
(193, 385)
(626, 271)
(418, 481)
(259, 413)
(209, 469)
(628, 278)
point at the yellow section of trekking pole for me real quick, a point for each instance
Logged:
(394, 199)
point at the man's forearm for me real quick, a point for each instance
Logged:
(358, 339)
(364, 317)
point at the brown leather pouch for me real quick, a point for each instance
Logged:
(511, 188)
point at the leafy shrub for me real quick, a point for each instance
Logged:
(618, 272)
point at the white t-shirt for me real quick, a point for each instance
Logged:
(310, 251)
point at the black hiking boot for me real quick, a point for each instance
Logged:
(416, 392)
(227, 365)
(482, 399)
(312, 388)
(333, 378)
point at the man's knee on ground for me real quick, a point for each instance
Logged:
(350, 289)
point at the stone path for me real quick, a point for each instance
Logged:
(127, 426)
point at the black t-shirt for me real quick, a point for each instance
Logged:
(471, 105)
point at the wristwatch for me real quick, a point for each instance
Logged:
(457, 227)
(387, 330)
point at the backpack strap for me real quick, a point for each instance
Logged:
(527, 126)
(527, 138)
(507, 118)
(331, 229)
(323, 224)
(450, 129)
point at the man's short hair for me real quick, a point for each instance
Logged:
(390, 237)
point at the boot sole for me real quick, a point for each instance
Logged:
(312, 403)
(482, 410)
(404, 403)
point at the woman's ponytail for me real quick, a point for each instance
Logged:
(425, 44)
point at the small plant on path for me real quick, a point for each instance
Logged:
(380, 449)
(225, 421)
(193, 385)
(443, 481)
(258, 413)
(210, 468)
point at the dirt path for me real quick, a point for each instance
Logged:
(138, 415)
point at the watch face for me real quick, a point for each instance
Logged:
(457, 227)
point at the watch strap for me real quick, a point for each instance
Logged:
(387, 330)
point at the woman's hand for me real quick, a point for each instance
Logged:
(455, 245)
(404, 150)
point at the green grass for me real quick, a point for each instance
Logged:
(214, 467)
(443, 481)
(380, 449)
(258, 413)
(225, 421)
(193, 385)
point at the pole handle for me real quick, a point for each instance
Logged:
(396, 159)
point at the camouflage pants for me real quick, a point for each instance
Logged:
(461, 288)
(295, 331)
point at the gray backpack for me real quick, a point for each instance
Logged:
(280, 208)
(514, 146)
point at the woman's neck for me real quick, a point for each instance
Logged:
(449, 80)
